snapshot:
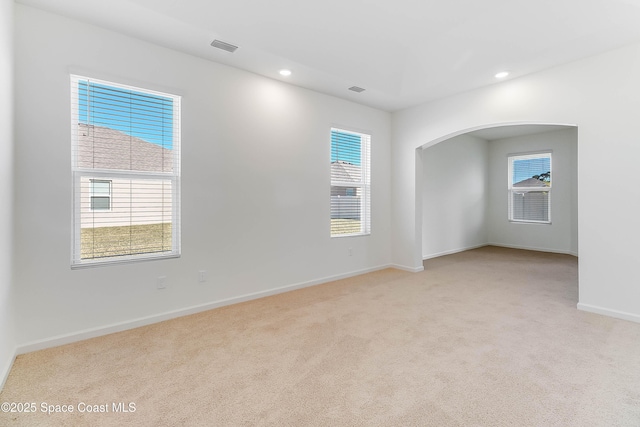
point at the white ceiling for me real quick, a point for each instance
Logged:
(403, 52)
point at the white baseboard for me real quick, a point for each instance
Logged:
(608, 312)
(148, 320)
(453, 251)
(532, 248)
(409, 269)
(4, 372)
(501, 245)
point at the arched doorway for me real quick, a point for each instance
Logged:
(461, 189)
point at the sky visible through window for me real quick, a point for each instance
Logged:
(527, 168)
(142, 115)
(345, 147)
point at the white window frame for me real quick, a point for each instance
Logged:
(78, 173)
(364, 184)
(519, 190)
(101, 195)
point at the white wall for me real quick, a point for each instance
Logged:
(559, 236)
(455, 195)
(255, 184)
(601, 96)
(7, 338)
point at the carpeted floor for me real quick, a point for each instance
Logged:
(488, 337)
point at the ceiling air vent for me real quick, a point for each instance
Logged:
(356, 89)
(224, 46)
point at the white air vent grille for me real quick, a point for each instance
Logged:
(356, 89)
(224, 46)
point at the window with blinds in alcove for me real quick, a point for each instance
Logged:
(529, 188)
(126, 172)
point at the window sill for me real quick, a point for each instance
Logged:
(77, 265)
(513, 221)
(338, 236)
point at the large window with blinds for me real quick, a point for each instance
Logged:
(350, 183)
(126, 173)
(529, 188)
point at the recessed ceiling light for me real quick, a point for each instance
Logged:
(285, 72)
(502, 74)
(356, 89)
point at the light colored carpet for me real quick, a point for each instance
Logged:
(488, 337)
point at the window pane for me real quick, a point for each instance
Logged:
(100, 187)
(124, 129)
(345, 203)
(532, 171)
(100, 203)
(530, 206)
(137, 222)
(141, 114)
(346, 157)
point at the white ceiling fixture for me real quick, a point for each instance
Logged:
(501, 74)
(284, 72)
(405, 52)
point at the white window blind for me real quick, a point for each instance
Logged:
(529, 187)
(126, 172)
(350, 183)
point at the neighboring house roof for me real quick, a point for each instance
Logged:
(345, 171)
(105, 148)
(531, 182)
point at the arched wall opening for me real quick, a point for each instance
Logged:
(462, 197)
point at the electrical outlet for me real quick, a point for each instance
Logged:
(162, 282)
(202, 276)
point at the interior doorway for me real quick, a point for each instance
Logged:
(462, 190)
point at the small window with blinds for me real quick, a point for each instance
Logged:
(126, 173)
(350, 183)
(529, 188)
